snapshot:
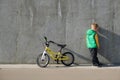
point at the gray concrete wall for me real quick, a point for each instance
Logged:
(24, 22)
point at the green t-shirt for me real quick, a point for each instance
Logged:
(90, 39)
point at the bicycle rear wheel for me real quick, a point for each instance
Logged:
(43, 63)
(70, 60)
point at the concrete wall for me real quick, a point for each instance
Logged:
(23, 23)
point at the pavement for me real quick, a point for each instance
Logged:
(58, 72)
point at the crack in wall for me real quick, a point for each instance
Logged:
(59, 8)
(93, 10)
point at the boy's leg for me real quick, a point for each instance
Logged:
(93, 52)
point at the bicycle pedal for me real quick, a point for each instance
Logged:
(57, 61)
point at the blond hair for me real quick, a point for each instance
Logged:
(95, 25)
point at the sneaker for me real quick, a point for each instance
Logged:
(98, 65)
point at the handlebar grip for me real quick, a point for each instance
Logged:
(45, 38)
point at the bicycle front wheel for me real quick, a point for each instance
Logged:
(43, 63)
(70, 60)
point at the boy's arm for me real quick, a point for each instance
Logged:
(97, 41)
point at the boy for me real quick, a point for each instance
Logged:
(93, 43)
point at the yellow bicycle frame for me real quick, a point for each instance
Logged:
(52, 54)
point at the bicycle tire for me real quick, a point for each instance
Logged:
(70, 61)
(43, 63)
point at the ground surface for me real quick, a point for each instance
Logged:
(58, 72)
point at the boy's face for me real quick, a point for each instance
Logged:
(94, 27)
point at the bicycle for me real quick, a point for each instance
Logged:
(66, 58)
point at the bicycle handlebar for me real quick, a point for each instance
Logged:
(48, 43)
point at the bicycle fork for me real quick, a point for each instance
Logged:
(43, 55)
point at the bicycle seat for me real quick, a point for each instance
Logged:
(61, 45)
